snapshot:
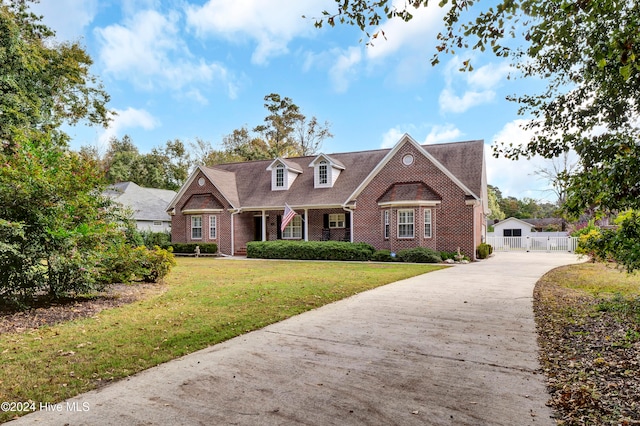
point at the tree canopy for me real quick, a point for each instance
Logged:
(286, 132)
(58, 235)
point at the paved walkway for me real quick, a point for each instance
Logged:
(453, 347)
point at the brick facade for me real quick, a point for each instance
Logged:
(457, 219)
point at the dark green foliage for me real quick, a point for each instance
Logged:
(190, 248)
(151, 239)
(484, 250)
(309, 250)
(384, 256)
(419, 255)
(154, 264)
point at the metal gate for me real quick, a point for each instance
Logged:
(526, 244)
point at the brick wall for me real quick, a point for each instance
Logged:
(452, 220)
(454, 224)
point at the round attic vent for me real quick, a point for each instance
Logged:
(201, 181)
(407, 160)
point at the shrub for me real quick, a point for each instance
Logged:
(444, 255)
(484, 250)
(309, 250)
(152, 239)
(190, 248)
(383, 256)
(419, 255)
(154, 264)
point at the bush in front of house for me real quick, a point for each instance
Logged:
(190, 248)
(309, 250)
(419, 255)
(484, 250)
(154, 264)
(152, 239)
(384, 256)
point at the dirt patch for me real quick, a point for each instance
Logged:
(50, 313)
(590, 352)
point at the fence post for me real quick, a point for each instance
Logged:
(528, 244)
(548, 244)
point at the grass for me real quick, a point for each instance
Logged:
(588, 320)
(207, 301)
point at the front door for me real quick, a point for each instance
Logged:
(257, 229)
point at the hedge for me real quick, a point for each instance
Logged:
(309, 250)
(190, 248)
(419, 255)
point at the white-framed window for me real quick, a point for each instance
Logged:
(157, 223)
(213, 227)
(427, 224)
(196, 227)
(385, 222)
(405, 223)
(279, 176)
(293, 230)
(323, 174)
(336, 220)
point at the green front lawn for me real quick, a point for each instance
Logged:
(207, 301)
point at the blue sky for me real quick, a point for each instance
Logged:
(192, 69)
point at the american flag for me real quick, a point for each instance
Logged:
(288, 215)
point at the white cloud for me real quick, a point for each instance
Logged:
(450, 102)
(126, 119)
(270, 24)
(417, 34)
(148, 51)
(443, 133)
(516, 178)
(391, 137)
(344, 70)
(68, 18)
(477, 86)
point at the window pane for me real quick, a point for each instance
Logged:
(280, 176)
(386, 224)
(293, 229)
(427, 223)
(196, 227)
(336, 220)
(405, 223)
(212, 227)
(322, 174)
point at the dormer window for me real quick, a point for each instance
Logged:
(279, 176)
(283, 173)
(322, 173)
(326, 171)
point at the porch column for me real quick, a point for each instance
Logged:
(306, 224)
(264, 225)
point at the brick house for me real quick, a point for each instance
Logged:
(410, 195)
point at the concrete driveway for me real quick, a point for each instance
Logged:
(453, 347)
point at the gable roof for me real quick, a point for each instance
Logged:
(411, 191)
(513, 220)
(146, 203)
(247, 185)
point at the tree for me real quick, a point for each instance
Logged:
(280, 124)
(309, 135)
(58, 233)
(494, 202)
(43, 83)
(557, 174)
(286, 133)
(164, 167)
(588, 53)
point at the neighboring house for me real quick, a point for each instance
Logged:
(149, 205)
(547, 224)
(513, 227)
(412, 195)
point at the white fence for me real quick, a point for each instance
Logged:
(546, 244)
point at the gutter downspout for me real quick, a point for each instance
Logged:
(351, 210)
(233, 231)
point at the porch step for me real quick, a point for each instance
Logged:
(242, 251)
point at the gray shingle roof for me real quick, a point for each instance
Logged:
(146, 203)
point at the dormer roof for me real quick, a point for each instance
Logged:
(332, 161)
(288, 164)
